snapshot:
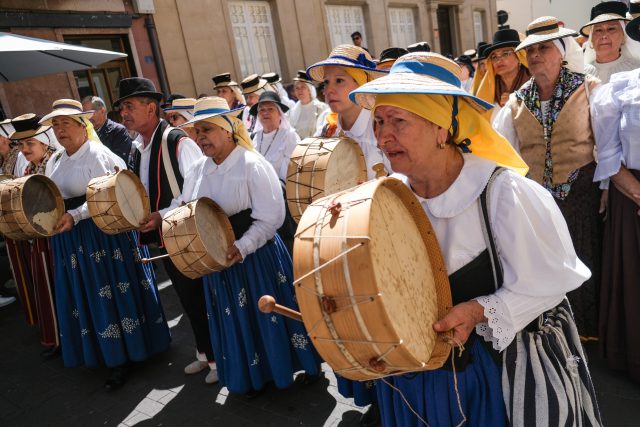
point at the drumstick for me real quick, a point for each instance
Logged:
(267, 304)
(147, 260)
(380, 170)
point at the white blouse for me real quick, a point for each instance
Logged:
(244, 180)
(362, 133)
(605, 70)
(533, 243)
(615, 114)
(277, 148)
(306, 118)
(72, 173)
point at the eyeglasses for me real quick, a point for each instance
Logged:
(497, 57)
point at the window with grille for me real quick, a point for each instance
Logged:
(254, 37)
(478, 25)
(343, 21)
(403, 27)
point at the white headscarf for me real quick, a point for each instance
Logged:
(294, 113)
(48, 138)
(571, 53)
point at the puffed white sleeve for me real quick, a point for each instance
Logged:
(503, 123)
(267, 206)
(606, 115)
(538, 259)
(188, 155)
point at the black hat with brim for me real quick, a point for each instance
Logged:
(268, 96)
(482, 46)
(503, 38)
(271, 77)
(137, 87)
(633, 29)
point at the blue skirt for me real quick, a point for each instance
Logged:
(107, 302)
(253, 348)
(362, 392)
(432, 395)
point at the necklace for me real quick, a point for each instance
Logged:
(270, 144)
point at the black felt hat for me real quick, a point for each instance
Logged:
(419, 47)
(137, 86)
(605, 12)
(389, 56)
(503, 38)
(301, 76)
(466, 61)
(482, 46)
(268, 96)
(633, 28)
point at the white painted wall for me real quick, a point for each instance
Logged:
(574, 13)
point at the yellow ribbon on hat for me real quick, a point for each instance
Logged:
(474, 133)
(487, 89)
(234, 125)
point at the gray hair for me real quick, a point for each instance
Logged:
(97, 103)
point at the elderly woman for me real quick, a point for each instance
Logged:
(31, 259)
(347, 68)
(179, 113)
(615, 113)
(251, 348)
(308, 114)
(506, 69)
(107, 303)
(548, 122)
(12, 161)
(608, 50)
(252, 87)
(448, 154)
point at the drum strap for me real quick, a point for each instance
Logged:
(168, 166)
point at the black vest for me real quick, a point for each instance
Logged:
(160, 195)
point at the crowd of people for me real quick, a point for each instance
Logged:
(520, 153)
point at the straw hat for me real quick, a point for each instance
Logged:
(181, 104)
(66, 107)
(544, 29)
(349, 56)
(633, 27)
(271, 77)
(302, 76)
(605, 12)
(252, 84)
(211, 106)
(27, 126)
(418, 73)
(223, 80)
(389, 56)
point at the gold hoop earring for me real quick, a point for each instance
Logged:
(441, 145)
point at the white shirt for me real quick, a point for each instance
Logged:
(244, 180)
(605, 70)
(362, 133)
(188, 154)
(72, 173)
(277, 148)
(21, 165)
(306, 118)
(532, 240)
(615, 117)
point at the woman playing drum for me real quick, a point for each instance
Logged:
(433, 132)
(31, 259)
(251, 348)
(107, 303)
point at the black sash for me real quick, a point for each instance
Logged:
(74, 202)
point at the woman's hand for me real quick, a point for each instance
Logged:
(151, 222)
(233, 254)
(65, 223)
(461, 320)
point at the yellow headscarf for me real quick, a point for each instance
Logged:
(358, 75)
(487, 88)
(477, 79)
(232, 124)
(472, 132)
(91, 132)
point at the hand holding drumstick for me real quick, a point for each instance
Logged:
(150, 222)
(461, 320)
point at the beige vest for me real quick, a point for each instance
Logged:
(572, 140)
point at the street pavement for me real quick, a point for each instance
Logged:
(34, 392)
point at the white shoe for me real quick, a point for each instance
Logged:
(195, 367)
(6, 300)
(212, 376)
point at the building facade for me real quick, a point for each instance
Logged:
(202, 38)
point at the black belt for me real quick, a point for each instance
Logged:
(74, 202)
(241, 222)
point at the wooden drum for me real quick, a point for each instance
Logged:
(371, 281)
(30, 207)
(197, 237)
(320, 167)
(117, 202)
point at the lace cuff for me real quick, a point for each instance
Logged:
(498, 329)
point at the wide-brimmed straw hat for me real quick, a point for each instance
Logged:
(252, 83)
(268, 96)
(137, 86)
(633, 27)
(27, 126)
(211, 106)
(66, 107)
(302, 76)
(223, 80)
(605, 12)
(349, 56)
(505, 37)
(544, 29)
(418, 73)
(181, 104)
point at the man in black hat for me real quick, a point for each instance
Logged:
(139, 105)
